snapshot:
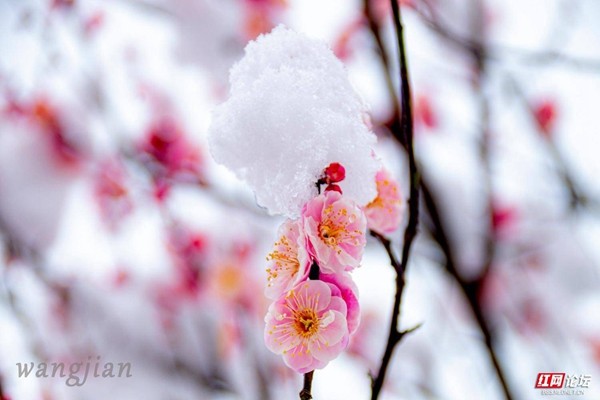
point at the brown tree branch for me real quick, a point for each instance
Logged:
(437, 226)
(500, 52)
(3, 395)
(480, 65)
(469, 288)
(380, 49)
(395, 335)
(406, 130)
(305, 393)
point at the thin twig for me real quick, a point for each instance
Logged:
(394, 336)
(305, 393)
(499, 52)
(437, 224)
(406, 129)
(374, 27)
(470, 289)
(2, 394)
(212, 380)
(387, 245)
(577, 197)
(480, 63)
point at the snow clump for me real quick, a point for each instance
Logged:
(291, 112)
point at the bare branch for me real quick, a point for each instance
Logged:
(305, 393)
(406, 131)
(500, 52)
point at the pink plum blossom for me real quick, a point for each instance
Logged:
(111, 192)
(342, 285)
(307, 326)
(170, 154)
(288, 262)
(384, 213)
(545, 113)
(335, 228)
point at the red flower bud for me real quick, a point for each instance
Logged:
(333, 187)
(335, 172)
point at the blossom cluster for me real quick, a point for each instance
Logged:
(315, 308)
(297, 133)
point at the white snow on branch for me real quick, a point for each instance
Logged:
(291, 112)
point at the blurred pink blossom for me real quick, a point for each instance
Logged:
(384, 213)
(545, 116)
(111, 192)
(342, 46)
(504, 219)
(261, 16)
(424, 112)
(170, 150)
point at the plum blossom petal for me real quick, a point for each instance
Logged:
(384, 213)
(331, 342)
(305, 326)
(288, 262)
(301, 360)
(279, 340)
(338, 304)
(335, 228)
(346, 289)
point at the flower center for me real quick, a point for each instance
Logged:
(329, 234)
(286, 261)
(336, 228)
(306, 322)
